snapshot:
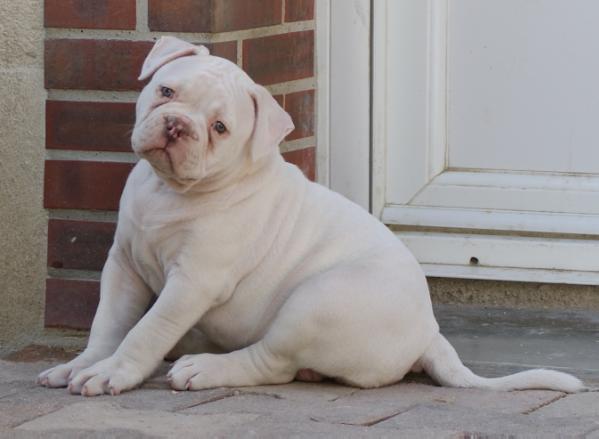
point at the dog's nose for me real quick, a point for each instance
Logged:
(175, 127)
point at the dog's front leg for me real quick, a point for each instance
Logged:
(124, 298)
(180, 305)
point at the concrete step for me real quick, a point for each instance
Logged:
(498, 341)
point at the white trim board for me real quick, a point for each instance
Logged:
(323, 59)
(511, 274)
(501, 190)
(344, 86)
(504, 258)
(486, 219)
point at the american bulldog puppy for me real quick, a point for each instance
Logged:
(247, 257)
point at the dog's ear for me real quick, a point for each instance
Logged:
(164, 51)
(271, 123)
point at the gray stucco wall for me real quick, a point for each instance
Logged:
(22, 217)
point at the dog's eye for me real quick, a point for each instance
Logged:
(167, 92)
(219, 127)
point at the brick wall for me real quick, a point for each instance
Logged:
(93, 53)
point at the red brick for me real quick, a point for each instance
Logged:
(299, 10)
(212, 15)
(94, 14)
(300, 106)
(227, 49)
(84, 184)
(89, 126)
(232, 15)
(71, 303)
(279, 58)
(94, 64)
(180, 15)
(79, 245)
(305, 159)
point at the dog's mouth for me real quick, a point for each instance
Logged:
(171, 162)
(162, 161)
(160, 156)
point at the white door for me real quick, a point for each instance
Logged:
(490, 148)
(485, 135)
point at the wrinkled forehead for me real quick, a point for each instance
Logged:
(205, 76)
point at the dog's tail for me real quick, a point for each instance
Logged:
(443, 365)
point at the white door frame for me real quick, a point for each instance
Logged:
(343, 96)
(354, 135)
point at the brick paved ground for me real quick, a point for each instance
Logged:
(410, 409)
(491, 341)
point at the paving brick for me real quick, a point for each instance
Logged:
(106, 416)
(212, 15)
(305, 392)
(299, 10)
(71, 303)
(305, 159)
(89, 64)
(96, 14)
(581, 404)
(72, 184)
(481, 423)
(300, 106)
(408, 394)
(29, 400)
(279, 58)
(79, 245)
(89, 126)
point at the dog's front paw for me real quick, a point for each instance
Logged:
(59, 376)
(112, 376)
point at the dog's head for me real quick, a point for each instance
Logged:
(201, 117)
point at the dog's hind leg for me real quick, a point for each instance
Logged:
(339, 323)
(250, 366)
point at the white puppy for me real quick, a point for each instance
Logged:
(248, 256)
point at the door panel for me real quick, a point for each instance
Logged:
(520, 85)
